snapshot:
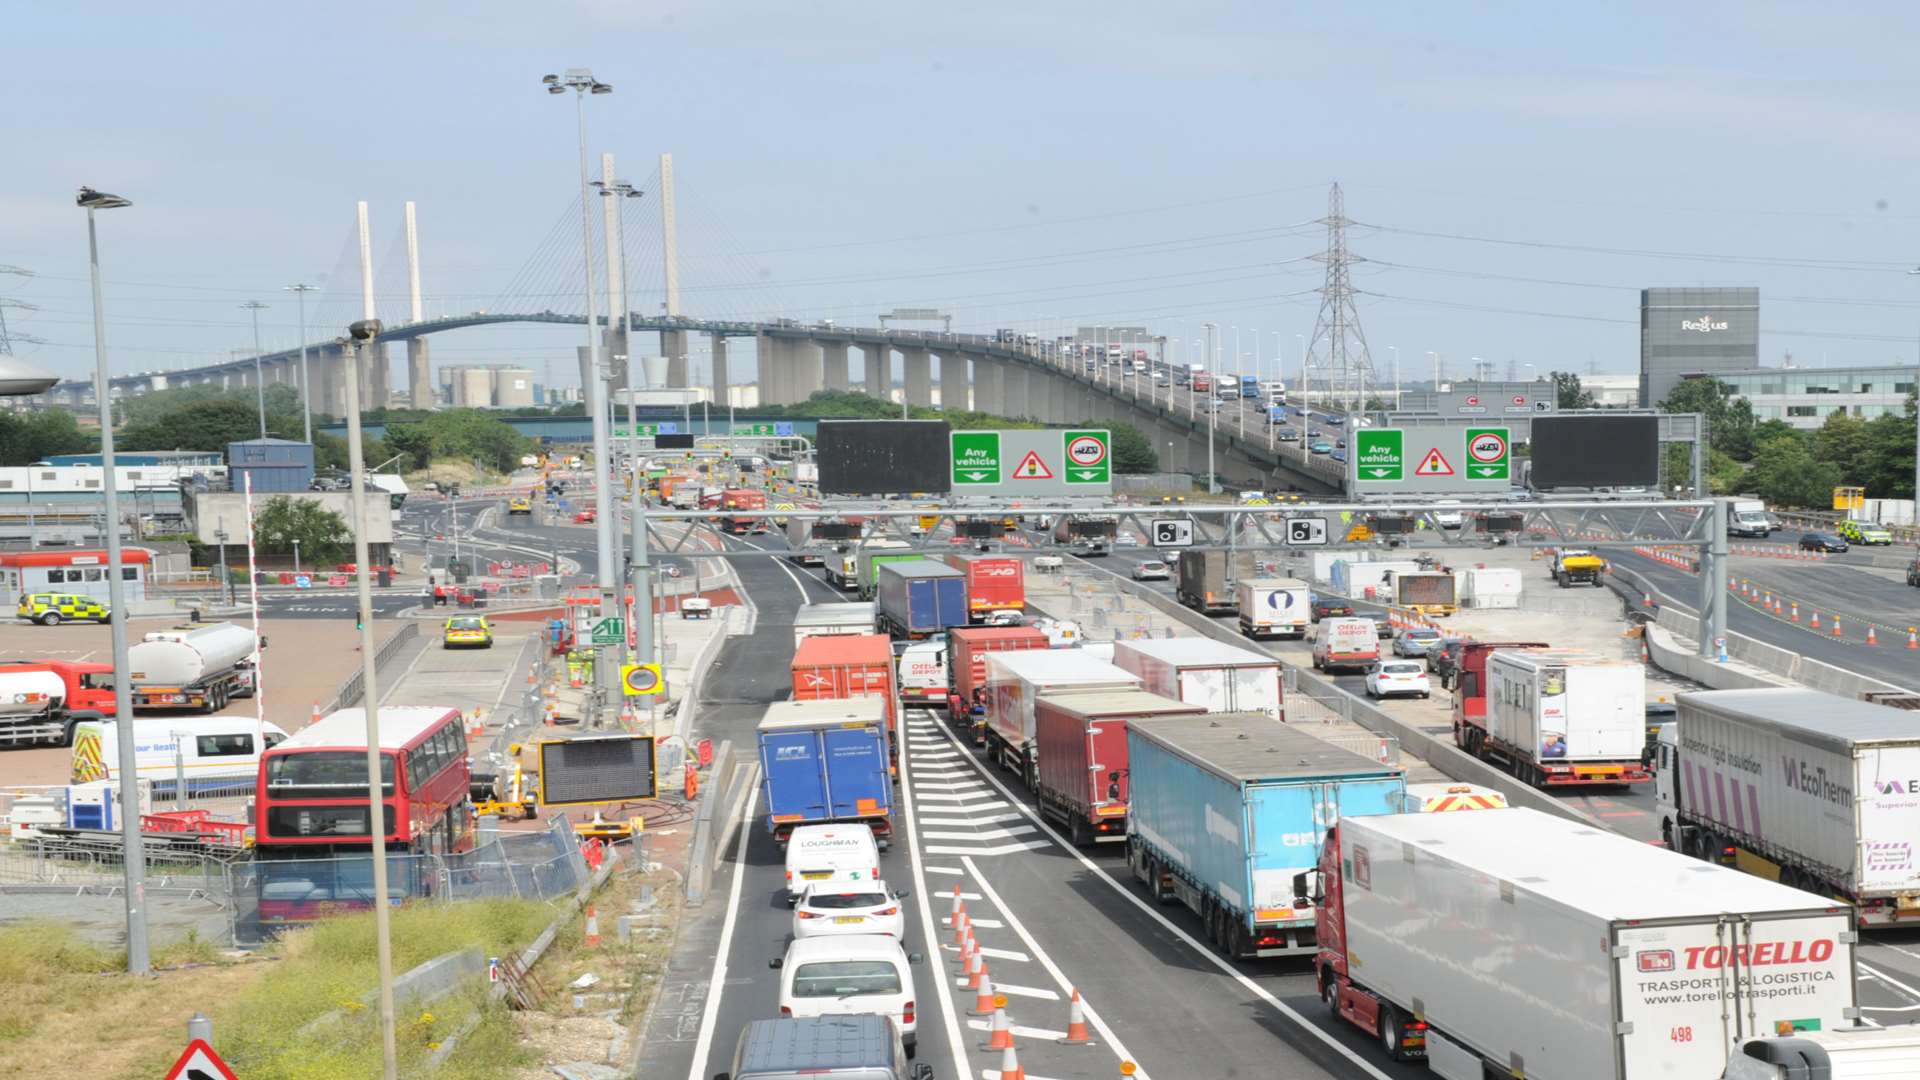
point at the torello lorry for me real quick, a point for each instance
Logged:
(1852, 1054)
(1083, 777)
(1512, 941)
(1558, 719)
(1813, 789)
(826, 761)
(1206, 582)
(1015, 680)
(1273, 607)
(194, 668)
(1200, 671)
(1227, 808)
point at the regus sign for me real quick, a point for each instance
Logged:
(1705, 324)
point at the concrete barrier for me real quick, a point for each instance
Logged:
(1673, 654)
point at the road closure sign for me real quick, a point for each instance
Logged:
(1089, 457)
(1489, 454)
(1027, 463)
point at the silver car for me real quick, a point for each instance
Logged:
(1415, 641)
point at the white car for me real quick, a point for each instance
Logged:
(1150, 571)
(1448, 515)
(838, 910)
(854, 973)
(1392, 678)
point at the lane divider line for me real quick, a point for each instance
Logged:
(949, 1013)
(718, 980)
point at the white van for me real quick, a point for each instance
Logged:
(859, 973)
(923, 674)
(830, 853)
(216, 753)
(1345, 642)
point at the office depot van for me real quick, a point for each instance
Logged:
(1345, 642)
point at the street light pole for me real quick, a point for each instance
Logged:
(640, 572)
(1396, 375)
(1916, 421)
(133, 854)
(1213, 394)
(306, 388)
(254, 307)
(582, 83)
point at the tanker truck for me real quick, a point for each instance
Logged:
(194, 668)
(42, 701)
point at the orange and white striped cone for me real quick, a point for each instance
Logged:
(1913, 638)
(1796, 612)
(592, 939)
(1647, 600)
(1010, 1065)
(1836, 625)
(959, 906)
(1000, 1034)
(1077, 1023)
(315, 718)
(1766, 600)
(1816, 620)
(983, 1000)
(977, 969)
(1777, 610)
(1871, 638)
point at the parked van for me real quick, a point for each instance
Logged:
(830, 853)
(216, 753)
(1345, 642)
(859, 973)
(862, 1046)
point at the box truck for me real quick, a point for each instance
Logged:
(1273, 607)
(195, 668)
(1518, 942)
(1469, 678)
(826, 761)
(1088, 535)
(1207, 579)
(920, 598)
(1561, 719)
(1429, 592)
(967, 650)
(1811, 789)
(1015, 680)
(994, 583)
(1369, 580)
(851, 618)
(840, 666)
(846, 569)
(1200, 671)
(1083, 776)
(1226, 809)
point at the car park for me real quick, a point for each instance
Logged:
(1415, 641)
(467, 632)
(1152, 570)
(1398, 678)
(828, 910)
(1817, 541)
(1865, 532)
(856, 973)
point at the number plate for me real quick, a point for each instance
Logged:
(815, 875)
(849, 918)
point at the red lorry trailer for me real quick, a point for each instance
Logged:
(994, 583)
(1082, 780)
(742, 499)
(832, 667)
(967, 650)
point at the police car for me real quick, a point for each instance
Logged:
(1866, 532)
(50, 609)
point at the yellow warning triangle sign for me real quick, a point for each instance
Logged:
(1434, 464)
(1032, 468)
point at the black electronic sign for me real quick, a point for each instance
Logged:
(883, 457)
(1595, 452)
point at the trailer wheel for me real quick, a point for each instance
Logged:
(1082, 832)
(1390, 1032)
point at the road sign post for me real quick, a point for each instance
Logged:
(976, 459)
(1489, 454)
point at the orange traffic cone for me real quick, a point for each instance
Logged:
(1816, 620)
(1010, 1065)
(983, 1001)
(1796, 611)
(1836, 625)
(1913, 638)
(593, 928)
(1000, 1035)
(976, 967)
(1776, 606)
(959, 904)
(960, 926)
(1871, 638)
(1077, 1022)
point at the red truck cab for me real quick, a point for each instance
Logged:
(1351, 1002)
(742, 499)
(89, 686)
(1470, 686)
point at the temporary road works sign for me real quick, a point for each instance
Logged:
(1379, 455)
(639, 680)
(976, 458)
(1032, 467)
(199, 1062)
(608, 631)
(1434, 464)
(1489, 454)
(1089, 457)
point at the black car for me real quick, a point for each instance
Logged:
(1814, 541)
(1443, 660)
(1324, 606)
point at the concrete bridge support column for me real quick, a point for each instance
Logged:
(722, 382)
(763, 363)
(673, 346)
(918, 364)
(879, 362)
(990, 386)
(330, 367)
(419, 373)
(953, 381)
(833, 356)
(803, 361)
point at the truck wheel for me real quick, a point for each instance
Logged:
(1390, 1032)
(1082, 833)
(1330, 992)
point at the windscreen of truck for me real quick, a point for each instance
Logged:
(325, 774)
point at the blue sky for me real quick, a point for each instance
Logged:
(1035, 165)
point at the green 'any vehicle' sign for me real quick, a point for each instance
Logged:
(976, 458)
(1379, 455)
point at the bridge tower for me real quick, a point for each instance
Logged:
(1338, 348)
(419, 360)
(673, 343)
(376, 383)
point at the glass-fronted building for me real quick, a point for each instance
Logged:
(1686, 332)
(1805, 397)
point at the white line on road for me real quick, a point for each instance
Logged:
(949, 1013)
(1020, 1031)
(718, 980)
(1040, 992)
(1003, 849)
(944, 870)
(979, 819)
(982, 834)
(1875, 973)
(955, 785)
(963, 801)
(990, 924)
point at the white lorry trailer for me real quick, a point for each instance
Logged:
(1558, 719)
(1273, 607)
(195, 669)
(1200, 671)
(1015, 680)
(1817, 791)
(1517, 942)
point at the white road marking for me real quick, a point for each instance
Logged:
(1040, 992)
(955, 785)
(1003, 849)
(943, 870)
(994, 1074)
(943, 772)
(962, 803)
(1881, 976)
(698, 1071)
(1020, 1032)
(979, 819)
(990, 924)
(949, 1015)
(981, 834)
(947, 756)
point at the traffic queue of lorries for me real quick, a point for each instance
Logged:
(1507, 938)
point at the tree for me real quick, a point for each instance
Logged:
(1787, 474)
(29, 437)
(1569, 394)
(322, 533)
(1133, 452)
(208, 424)
(1729, 422)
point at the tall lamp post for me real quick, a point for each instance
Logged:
(254, 307)
(139, 959)
(306, 388)
(1213, 395)
(1916, 461)
(639, 573)
(582, 83)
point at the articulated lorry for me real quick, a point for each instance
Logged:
(1226, 809)
(994, 583)
(1207, 578)
(835, 667)
(919, 598)
(826, 761)
(1084, 776)
(830, 618)
(1273, 607)
(194, 669)
(1810, 789)
(1015, 680)
(1201, 671)
(1561, 719)
(1518, 943)
(967, 651)
(1088, 535)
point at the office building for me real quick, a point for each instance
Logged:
(1686, 332)
(1805, 397)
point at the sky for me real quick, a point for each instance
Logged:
(1515, 172)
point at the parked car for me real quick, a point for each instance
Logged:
(1398, 678)
(829, 910)
(464, 631)
(1865, 532)
(51, 609)
(1321, 607)
(1416, 641)
(1815, 541)
(857, 973)
(1152, 570)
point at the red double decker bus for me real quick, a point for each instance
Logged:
(312, 816)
